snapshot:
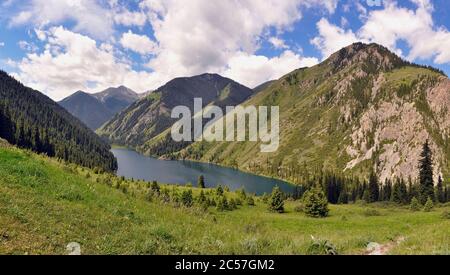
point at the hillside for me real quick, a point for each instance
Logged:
(46, 204)
(96, 109)
(31, 120)
(150, 116)
(363, 108)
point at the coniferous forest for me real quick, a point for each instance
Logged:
(31, 120)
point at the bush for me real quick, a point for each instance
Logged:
(315, 203)
(321, 247)
(446, 215)
(428, 205)
(250, 201)
(232, 205)
(219, 190)
(415, 205)
(276, 201)
(186, 198)
(222, 204)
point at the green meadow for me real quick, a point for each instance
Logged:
(46, 204)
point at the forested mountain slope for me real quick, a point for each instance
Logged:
(31, 120)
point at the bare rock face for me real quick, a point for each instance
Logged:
(393, 130)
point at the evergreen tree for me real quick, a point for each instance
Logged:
(387, 190)
(440, 192)
(399, 192)
(426, 174)
(222, 204)
(428, 205)
(415, 204)
(250, 201)
(276, 203)
(201, 182)
(219, 190)
(373, 188)
(186, 198)
(155, 188)
(315, 203)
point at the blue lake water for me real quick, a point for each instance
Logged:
(137, 166)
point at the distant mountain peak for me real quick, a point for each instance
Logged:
(372, 55)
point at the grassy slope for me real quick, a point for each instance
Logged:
(44, 205)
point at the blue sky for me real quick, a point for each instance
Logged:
(61, 46)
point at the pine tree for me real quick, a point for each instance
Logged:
(186, 198)
(373, 188)
(219, 190)
(428, 205)
(387, 190)
(201, 182)
(276, 203)
(399, 192)
(426, 174)
(415, 204)
(222, 204)
(315, 203)
(440, 193)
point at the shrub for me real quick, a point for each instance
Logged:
(446, 215)
(321, 247)
(232, 205)
(428, 205)
(222, 204)
(186, 198)
(154, 187)
(250, 201)
(415, 205)
(219, 190)
(276, 201)
(315, 203)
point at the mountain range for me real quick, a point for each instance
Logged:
(96, 109)
(149, 118)
(363, 109)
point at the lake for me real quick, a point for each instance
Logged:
(137, 166)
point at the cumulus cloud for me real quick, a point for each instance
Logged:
(189, 38)
(72, 62)
(130, 18)
(278, 43)
(250, 69)
(332, 38)
(388, 26)
(89, 16)
(138, 43)
(2, 44)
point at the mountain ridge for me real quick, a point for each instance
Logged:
(96, 109)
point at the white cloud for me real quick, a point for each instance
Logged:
(89, 17)
(332, 38)
(2, 44)
(138, 43)
(27, 46)
(388, 26)
(278, 43)
(194, 38)
(251, 69)
(72, 62)
(129, 18)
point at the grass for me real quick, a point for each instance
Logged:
(45, 205)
